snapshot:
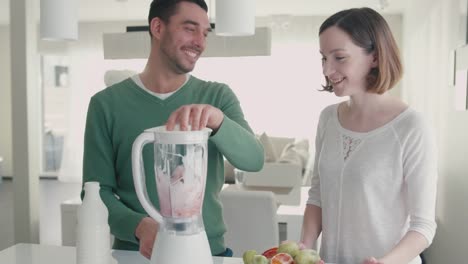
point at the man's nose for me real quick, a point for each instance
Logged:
(200, 40)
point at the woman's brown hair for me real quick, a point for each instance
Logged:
(369, 30)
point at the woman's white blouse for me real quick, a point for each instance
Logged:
(373, 187)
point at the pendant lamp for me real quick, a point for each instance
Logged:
(235, 17)
(59, 19)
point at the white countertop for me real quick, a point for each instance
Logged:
(43, 254)
(291, 215)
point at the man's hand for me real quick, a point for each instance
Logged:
(146, 232)
(198, 116)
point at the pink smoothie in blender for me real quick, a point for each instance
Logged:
(180, 166)
(181, 189)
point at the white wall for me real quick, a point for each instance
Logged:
(5, 100)
(431, 30)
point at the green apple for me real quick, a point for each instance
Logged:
(307, 257)
(289, 247)
(259, 259)
(248, 256)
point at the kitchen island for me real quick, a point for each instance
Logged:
(44, 254)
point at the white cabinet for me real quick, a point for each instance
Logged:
(69, 210)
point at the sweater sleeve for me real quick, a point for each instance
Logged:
(98, 165)
(420, 175)
(235, 139)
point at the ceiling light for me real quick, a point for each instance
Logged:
(59, 19)
(383, 4)
(235, 17)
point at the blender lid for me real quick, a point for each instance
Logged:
(177, 136)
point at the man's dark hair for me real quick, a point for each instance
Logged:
(164, 9)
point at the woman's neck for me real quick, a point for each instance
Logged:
(367, 103)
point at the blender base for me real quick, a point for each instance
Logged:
(181, 249)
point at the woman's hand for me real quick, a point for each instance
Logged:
(372, 260)
(301, 245)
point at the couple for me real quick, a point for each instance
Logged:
(373, 188)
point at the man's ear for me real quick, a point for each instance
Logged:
(155, 27)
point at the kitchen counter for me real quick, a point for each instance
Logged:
(44, 254)
(292, 216)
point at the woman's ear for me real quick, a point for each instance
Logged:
(155, 27)
(375, 61)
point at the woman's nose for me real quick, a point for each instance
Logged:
(327, 68)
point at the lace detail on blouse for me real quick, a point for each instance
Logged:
(349, 145)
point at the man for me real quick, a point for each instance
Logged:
(164, 93)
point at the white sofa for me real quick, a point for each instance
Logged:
(284, 172)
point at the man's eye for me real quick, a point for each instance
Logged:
(190, 29)
(324, 59)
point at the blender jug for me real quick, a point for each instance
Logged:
(180, 166)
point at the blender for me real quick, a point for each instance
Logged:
(180, 166)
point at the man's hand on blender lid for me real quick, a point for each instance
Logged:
(198, 116)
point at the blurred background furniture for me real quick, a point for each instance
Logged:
(69, 209)
(286, 169)
(292, 216)
(251, 220)
(284, 180)
(1, 169)
(53, 150)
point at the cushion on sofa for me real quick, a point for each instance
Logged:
(277, 150)
(270, 154)
(296, 152)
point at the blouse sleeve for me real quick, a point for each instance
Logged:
(420, 176)
(314, 191)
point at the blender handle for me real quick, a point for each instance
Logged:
(139, 178)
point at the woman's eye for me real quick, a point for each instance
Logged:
(340, 58)
(324, 59)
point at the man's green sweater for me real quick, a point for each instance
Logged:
(119, 113)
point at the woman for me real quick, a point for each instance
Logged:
(374, 184)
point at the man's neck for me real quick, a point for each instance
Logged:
(161, 80)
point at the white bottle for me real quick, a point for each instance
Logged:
(93, 233)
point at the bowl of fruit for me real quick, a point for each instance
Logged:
(289, 252)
